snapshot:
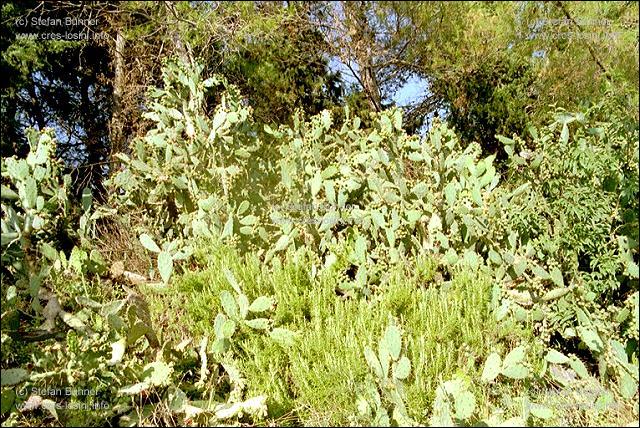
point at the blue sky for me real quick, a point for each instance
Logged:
(410, 92)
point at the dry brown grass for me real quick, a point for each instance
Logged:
(119, 242)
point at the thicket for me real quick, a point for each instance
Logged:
(381, 222)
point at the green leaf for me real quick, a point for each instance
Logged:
(8, 397)
(519, 267)
(165, 265)
(393, 341)
(258, 323)
(30, 193)
(397, 119)
(316, 183)
(632, 269)
(18, 170)
(244, 205)
(619, 351)
(384, 357)
(13, 376)
(86, 198)
(385, 124)
(7, 193)
(579, 367)
(420, 189)
(112, 308)
(628, 386)
(402, 368)
(243, 305)
(590, 338)
(505, 140)
(227, 329)
(330, 192)
(117, 351)
(519, 190)
(39, 156)
(476, 196)
(228, 228)
(514, 357)
(360, 249)
(229, 304)
(564, 135)
(329, 172)
(158, 373)
(134, 389)
(512, 365)
(232, 280)
(491, 367)
(233, 117)
(148, 243)
(77, 259)
(326, 119)
(48, 251)
(556, 277)
(86, 301)
(218, 120)
(495, 257)
(282, 243)
(377, 218)
(605, 401)
(465, 405)
(8, 237)
(177, 400)
(555, 294)
(540, 411)
(261, 304)
(556, 357)
(451, 257)
(413, 216)
(450, 193)
(373, 362)
(38, 222)
(249, 220)
(136, 332)
(262, 232)
(517, 371)
(72, 321)
(282, 336)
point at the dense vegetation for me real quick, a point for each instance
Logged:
(233, 235)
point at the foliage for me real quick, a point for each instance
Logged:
(581, 245)
(318, 376)
(280, 64)
(56, 83)
(491, 98)
(114, 360)
(380, 190)
(300, 243)
(236, 310)
(189, 171)
(389, 370)
(39, 218)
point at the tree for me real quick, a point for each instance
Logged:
(55, 83)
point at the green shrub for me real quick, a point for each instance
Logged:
(577, 228)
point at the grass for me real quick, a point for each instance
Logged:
(448, 330)
(445, 316)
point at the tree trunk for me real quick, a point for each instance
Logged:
(362, 45)
(117, 121)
